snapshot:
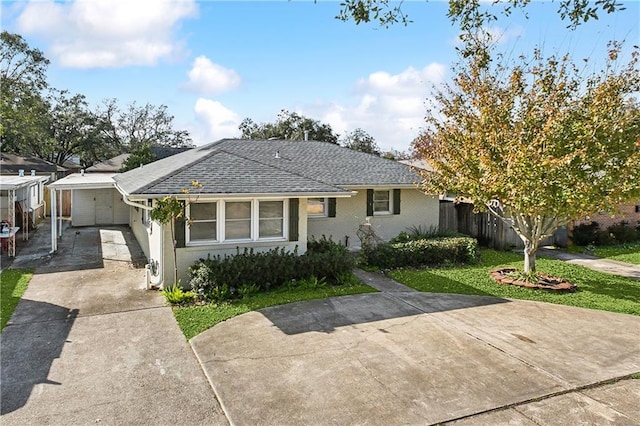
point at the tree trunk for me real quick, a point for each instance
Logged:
(173, 246)
(530, 250)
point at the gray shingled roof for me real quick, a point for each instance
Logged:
(236, 166)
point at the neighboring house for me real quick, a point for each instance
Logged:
(264, 194)
(22, 203)
(113, 165)
(12, 164)
(629, 213)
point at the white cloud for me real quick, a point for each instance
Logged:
(390, 107)
(108, 33)
(215, 121)
(208, 78)
(408, 81)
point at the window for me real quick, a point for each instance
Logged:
(317, 207)
(243, 220)
(381, 202)
(271, 219)
(237, 220)
(203, 222)
(146, 219)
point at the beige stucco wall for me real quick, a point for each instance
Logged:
(416, 208)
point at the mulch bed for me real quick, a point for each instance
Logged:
(547, 282)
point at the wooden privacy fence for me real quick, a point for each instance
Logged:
(64, 209)
(488, 229)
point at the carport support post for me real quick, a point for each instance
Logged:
(59, 206)
(54, 221)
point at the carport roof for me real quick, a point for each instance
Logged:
(17, 182)
(85, 181)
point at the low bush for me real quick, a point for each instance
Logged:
(175, 295)
(221, 278)
(585, 233)
(424, 252)
(623, 232)
(591, 233)
(419, 232)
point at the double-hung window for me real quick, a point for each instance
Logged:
(317, 207)
(382, 202)
(271, 219)
(203, 222)
(237, 221)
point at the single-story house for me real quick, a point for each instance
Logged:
(261, 194)
(14, 164)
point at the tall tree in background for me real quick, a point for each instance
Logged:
(359, 140)
(136, 126)
(538, 143)
(138, 157)
(471, 13)
(22, 84)
(288, 125)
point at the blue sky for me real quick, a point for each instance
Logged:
(214, 63)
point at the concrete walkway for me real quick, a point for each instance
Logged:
(405, 357)
(592, 262)
(89, 344)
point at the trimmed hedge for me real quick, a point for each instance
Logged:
(220, 278)
(426, 252)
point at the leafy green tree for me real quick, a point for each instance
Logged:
(130, 129)
(359, 140)
(289, 125)
(142, 155)
(537, 143)
(471, 13)
(22, 104)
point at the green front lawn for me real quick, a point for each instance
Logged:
(13, 283)
(596, 290)
(193, 320)
(628, 253)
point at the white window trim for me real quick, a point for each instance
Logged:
(255, 223)
(325, 211)
(385, 212)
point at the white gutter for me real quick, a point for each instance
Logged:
(125, 199)
(142, 197)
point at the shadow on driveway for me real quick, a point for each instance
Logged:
(326, 315)
(28, 350)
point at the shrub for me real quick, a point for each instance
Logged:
(605, 238)
(425, 252)
(624, 232)
(585, 234)
(176, 295)
(221, 278)
(419, 232)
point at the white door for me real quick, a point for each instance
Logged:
(104, 206)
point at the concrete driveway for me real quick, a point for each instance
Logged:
(401, 357)
(89, 344)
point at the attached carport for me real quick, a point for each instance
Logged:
(94, 201)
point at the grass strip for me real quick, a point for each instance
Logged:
(193, 320)
(596, 290)
(13, 283)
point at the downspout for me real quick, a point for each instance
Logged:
(129, 202)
